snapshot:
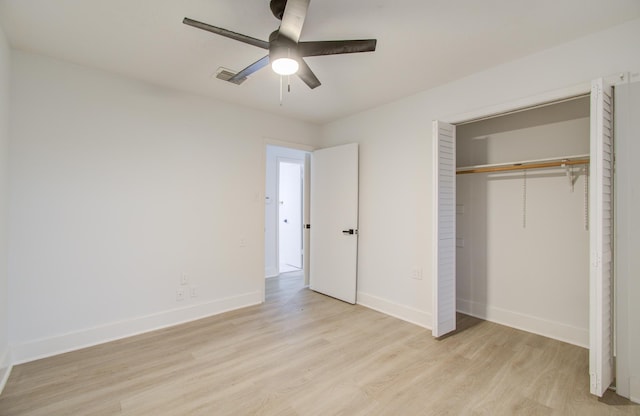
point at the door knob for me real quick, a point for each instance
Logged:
(350, 231)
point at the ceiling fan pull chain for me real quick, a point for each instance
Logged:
(280, 90)
(288, 83)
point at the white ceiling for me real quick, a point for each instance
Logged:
(421, 43)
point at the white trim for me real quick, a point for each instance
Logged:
(5, 368)
(292, 160)
(601, 212)
(46, 347)
(546, 97)
(267, 141)
(621, 78)
(634, 389)
(405, 313)
(583, 88)
(525, 109)
(288, 145)
(550, 329)
(623, 237)
(271, 272)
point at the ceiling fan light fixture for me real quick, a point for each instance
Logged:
(285, 66)
(286, 52)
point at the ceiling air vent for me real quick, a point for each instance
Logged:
(226, 74)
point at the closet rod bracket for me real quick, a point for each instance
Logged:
(570, 174)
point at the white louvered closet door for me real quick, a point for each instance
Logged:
(444, 280)
(601, 239)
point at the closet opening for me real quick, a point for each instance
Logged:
(516, 242)
(522, 219)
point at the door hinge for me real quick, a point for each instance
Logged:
(307, 226)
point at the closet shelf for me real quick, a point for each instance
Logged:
(526, 164)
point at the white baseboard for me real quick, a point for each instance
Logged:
(556, 330)
(5, 368)
(271, 272)
(634, 389)
(47, 347)
(396, 310)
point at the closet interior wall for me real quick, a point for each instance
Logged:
(522, 239)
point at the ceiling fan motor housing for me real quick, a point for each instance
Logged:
(281, 47)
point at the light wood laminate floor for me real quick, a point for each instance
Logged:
(302, 353)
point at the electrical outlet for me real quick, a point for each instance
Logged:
(184, 279)
(181, 293)
(194, 292)
(416, 273)
(243, 242)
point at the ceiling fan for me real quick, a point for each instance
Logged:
(285, 49)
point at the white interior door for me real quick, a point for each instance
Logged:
(290, 214)
(601, 241)
(306, 209)
(334, 221)
(444, 196)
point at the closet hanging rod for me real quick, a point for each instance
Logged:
(527, 164)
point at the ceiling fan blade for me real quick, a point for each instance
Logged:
(257, 65)
(293, 18)
(306, 74)
(334, 47)
(227, 33)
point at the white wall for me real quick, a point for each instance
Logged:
(534, 275)
(5, 56)
(117, 188)
(396, 158)
(271, 210)
(627, 267)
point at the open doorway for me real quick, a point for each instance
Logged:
(284, 208)
(328, 264)
(290, 187)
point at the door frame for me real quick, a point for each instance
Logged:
(263, 169)
(522, 105)
(488, 112)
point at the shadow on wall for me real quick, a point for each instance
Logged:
(471, 225)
